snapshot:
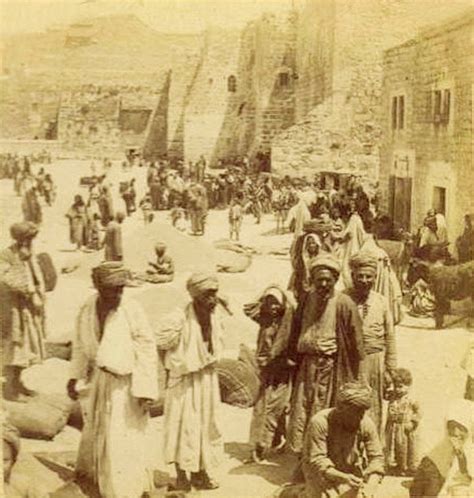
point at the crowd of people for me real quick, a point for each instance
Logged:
(326, 350)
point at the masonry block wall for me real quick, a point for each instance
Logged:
(435, 73)
(344, 130)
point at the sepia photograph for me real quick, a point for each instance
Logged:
(237, 248)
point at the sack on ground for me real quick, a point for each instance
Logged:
(42, 417)
(239, 385)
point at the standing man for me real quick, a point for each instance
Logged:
(114, 354)
(377, 324)
(193, 343)
(22, 316)
(197, 208)
(113, 239)
(342, 451)
(329, 348)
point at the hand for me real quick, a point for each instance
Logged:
(71, 389)
(352, 480)
(37, 302)
(145, 404)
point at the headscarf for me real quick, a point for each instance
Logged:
(327, 261)
(275, 292)
(305, 256)
(355, 394)
(363, 259)
(199, 283)
(160, 246)
(11, 436)
(110, 274)
(23, 231)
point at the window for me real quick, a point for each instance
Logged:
(398, 112)
(446, 106)
(439, 200)
(283, 80)
(231, 84)
(441, 109)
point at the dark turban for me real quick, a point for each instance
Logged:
(23, 231)
(110, 274)
(363, 260)
(198, 283)
(12, 437)
(355, 394)
(326, 261)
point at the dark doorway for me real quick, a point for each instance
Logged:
(439, 200)
(400, 202)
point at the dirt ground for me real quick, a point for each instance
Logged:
(433, 356)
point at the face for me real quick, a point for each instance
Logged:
(25, 248)
(457, 435)
(160, 252)
(271, 306)
(363, 280)
(111, 296)
(207, 300)
(400, 389)
(8, 461)
(324, 281)
(351, 416)
(311, 246)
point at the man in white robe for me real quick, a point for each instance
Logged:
(114, 355)
(192, 339)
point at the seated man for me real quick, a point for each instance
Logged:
(342, 452)
(163, 270)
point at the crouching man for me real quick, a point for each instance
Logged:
(342, 453)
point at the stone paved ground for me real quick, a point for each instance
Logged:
(432, 355)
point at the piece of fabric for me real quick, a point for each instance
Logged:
(318, 377)
(354, 394)
(192, 431)
(22, 316)
(326, 261)
(356, 233)
(199, 283)
(23, 230)
(363, 259)
(110, 274)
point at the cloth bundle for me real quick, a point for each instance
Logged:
(453, 282)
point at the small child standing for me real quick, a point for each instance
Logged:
(401, 436)
(235, 219)
(178, 217)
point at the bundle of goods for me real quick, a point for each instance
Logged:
(453, 282)
(318, 226)
(87, 181)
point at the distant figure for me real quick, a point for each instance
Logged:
(465, 242)
(147, 209)
(106, 205)
(77, 216)
(31, 206)
(113, 239)
(197, 208)
(235, 219)
(403, 418)
(162, 270)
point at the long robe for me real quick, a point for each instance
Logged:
(354, 228)
(379, 347)
(192, 430)
(268, 417)
(386, 281)
(319, 375)
(22, 325)
(77, 224)
(118, 368)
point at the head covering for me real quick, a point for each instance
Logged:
(276, 292)
(327, 261)
(363, 259)
(200, 282)
(23, 231)
(355, 394)
(110, 274)
(12, 437)
(160, 246)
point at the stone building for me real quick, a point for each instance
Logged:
(339, 68)
(426, 153)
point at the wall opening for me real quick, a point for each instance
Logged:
(439, 200)
(283, 80)
(232, 84)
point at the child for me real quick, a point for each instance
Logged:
(94, 242)
(403, 418)
(178, 217)
(235, 219)
(147, 209)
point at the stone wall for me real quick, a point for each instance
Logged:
(439, 150)
(347, 40)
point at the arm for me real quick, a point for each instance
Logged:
(373, 448)
(144, 374)
(316, 442)
(79, 360)
(118, 241)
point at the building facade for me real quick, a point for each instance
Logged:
(426, 152)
